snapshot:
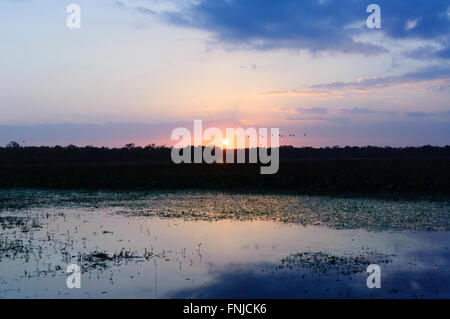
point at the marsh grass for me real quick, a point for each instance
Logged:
(320, 263)
(338, 213)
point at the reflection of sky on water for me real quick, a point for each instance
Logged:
(246, 281)
(236, 259)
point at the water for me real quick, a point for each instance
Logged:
(216, 245)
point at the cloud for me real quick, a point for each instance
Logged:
(303, 92)
(426, 74)
(312, 25)
(430, 52)
(314, 110)
(419, 114)
(364, 114)
(266, 24)
(415, 20)
(320, 118)
(440, 88)
(328, 115)
(310, 114)
(337, 89)
(357, 110)
(146, 11)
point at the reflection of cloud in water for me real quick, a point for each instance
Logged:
(266, 280)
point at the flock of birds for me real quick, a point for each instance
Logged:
(292, 135)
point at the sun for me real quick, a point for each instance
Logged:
(225, 142)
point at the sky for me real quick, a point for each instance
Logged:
(136, 69)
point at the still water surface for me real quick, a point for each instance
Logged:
(216, 245)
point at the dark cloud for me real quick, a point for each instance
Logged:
(267, 24)
(314, 25)
(415, 19)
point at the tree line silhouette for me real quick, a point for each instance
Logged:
(382, 172)
(14, 154)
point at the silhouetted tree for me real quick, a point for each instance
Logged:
(13, 144)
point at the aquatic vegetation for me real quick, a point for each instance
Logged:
(103, 260)
(13, 248)
(12, 222)
(324, 263)
(338, 213)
